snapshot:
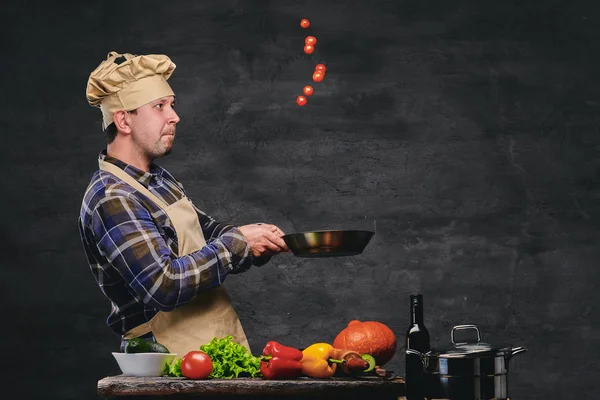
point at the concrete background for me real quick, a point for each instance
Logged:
(465, 132)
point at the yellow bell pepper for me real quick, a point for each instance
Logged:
(317, 361)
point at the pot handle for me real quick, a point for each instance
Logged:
(418, 353)
(516, 350)
(465, 327)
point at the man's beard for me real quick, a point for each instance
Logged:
(165, 151)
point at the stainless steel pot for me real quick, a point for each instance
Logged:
(334, 243)
(467, 370)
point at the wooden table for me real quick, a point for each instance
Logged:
(364, 388)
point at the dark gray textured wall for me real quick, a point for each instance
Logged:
(465, 131)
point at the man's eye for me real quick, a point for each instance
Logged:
(159, 105)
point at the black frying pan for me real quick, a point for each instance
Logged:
(337, 243)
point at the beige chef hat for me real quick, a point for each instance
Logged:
(128, 81)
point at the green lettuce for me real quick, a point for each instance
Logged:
(230, 359)
(173, 368)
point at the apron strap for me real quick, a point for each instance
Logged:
(119, 173)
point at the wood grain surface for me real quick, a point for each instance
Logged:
(165, 387)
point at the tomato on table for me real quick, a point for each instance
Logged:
(308, 90)
(308, 49)
(305, 23)
(196, 365)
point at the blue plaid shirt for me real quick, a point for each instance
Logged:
(131, 247)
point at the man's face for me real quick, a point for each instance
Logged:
(153, 127)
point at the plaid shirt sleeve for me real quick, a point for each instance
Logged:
(212, 229)
(129, 239)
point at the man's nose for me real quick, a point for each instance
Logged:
(173, 118)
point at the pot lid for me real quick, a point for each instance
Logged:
(471, 348)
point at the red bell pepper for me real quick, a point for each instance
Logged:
(280, 362)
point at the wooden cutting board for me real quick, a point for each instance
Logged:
(372, 387)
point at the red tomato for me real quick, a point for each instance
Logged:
(308, 90)
(301, 100)
(321, 67)
(196, 365)
(308, 49)
(305, 23)
(318, 76)
(311, 40)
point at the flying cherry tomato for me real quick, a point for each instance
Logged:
(301, 100)
(308, 49)
(321, 67)
(305, 23)
(308, 90)
(310, 40)
(196, 364)
(318, 76)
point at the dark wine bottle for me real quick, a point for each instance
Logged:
(417, 338)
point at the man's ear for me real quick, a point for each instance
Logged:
(122, 121)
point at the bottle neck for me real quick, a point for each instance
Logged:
(416, 310)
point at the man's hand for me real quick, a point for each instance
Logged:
(264, 239)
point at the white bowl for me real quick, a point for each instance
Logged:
(143, 364)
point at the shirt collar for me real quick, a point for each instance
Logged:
(145, 178)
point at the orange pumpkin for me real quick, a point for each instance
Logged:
(369, 337)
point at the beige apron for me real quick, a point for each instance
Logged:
(210, 314)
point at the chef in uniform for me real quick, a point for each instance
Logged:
(159, 260)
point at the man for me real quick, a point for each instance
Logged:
(159, 260)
